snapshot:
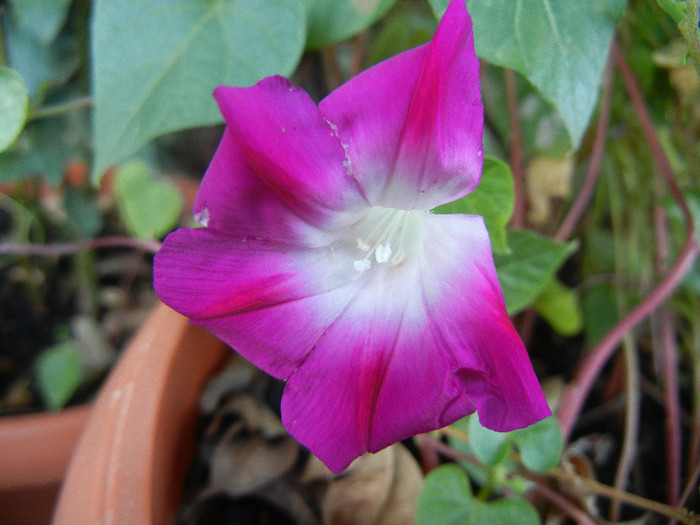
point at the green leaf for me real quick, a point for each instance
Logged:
(493, 199)
(44, 19)
(185, 49)
(600, 312)
(150, 208)
(674, 9)
(540, 444)
(560, 307)
(489, 447)
(14, 103)
(335, 20)
(447, 499)
(529, 267)
(558, 45)
(45, 146)
(41, 64)
(58, 374)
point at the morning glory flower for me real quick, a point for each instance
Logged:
(320, 261)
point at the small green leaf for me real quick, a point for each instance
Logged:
(489, 447)
(506, 511)
(335, 20)
(560, 307)
(529, 267)
(58, 374)
(150, 208)
(185, 49)
(540, 444)
(447, 499)
(493, 200)
(14, 103)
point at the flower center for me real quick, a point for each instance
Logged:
(385, 235)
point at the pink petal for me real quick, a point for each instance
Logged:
(276, 130)
(413, 124)
(415, 353)
(269, 302)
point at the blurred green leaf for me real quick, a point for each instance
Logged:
(561, 47)
(58, 374)
(447, 499)
(14, 103)
(674, 9)
(45, 146)
(560, 307)
(185, 49)
(150, 208)
(540, 444)
(43, 19)
(493, 199)
(529, 267)
(41, 64)
(335, 20)
(599, 312)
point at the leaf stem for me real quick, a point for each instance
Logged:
(59, 109)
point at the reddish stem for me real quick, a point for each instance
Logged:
(589, 369)
(517, 220)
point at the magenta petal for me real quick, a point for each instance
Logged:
(270, 302)
(233, 199)
(413, 124)
(286, 142)
(416, 353)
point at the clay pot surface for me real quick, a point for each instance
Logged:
(131, 460)
(35, 450)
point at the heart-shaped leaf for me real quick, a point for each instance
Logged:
(185, 49)
(559, 45)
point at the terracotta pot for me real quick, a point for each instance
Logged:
(34, 454)
(130, 463)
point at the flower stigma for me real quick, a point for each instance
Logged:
(386, 235)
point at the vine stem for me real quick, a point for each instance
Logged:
(669, 365)
(68, 248)
(589, 369)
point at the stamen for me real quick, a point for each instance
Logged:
(386, 233)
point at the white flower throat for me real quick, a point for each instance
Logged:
(385, 236)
